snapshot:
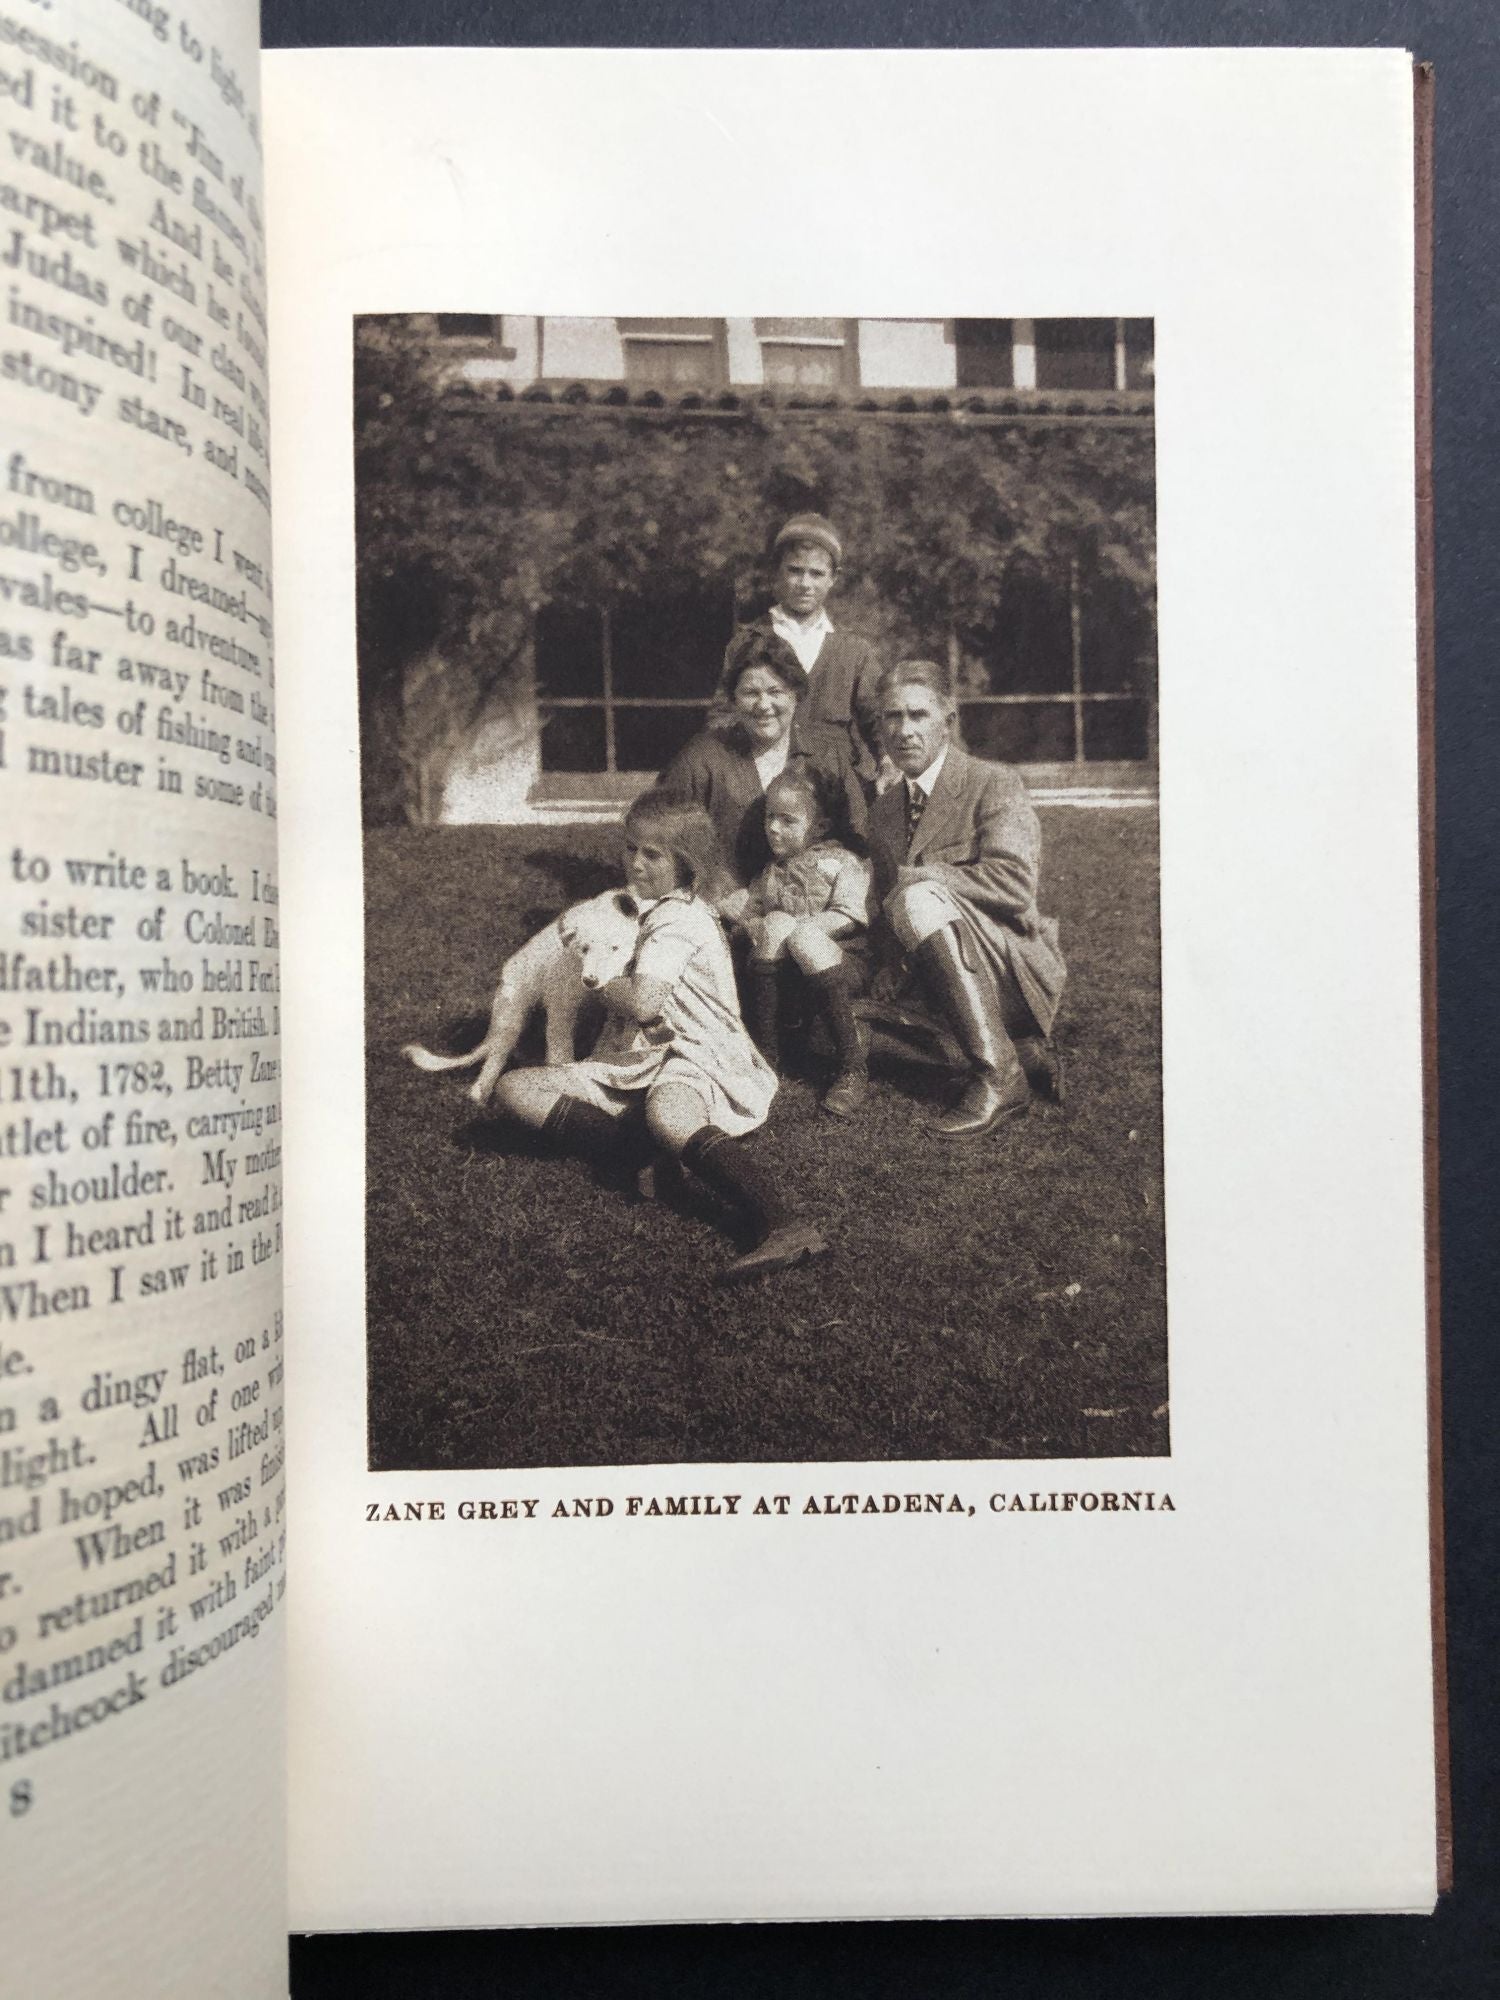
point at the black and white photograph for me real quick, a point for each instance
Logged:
(759, 775)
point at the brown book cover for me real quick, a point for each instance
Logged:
(1424, 84)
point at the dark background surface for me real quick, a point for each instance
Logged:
(1456, 1952)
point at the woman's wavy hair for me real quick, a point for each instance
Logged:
(687, 833)
(751, 648)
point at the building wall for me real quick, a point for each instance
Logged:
(587, 349)
(744, 352)
(521, 349)
(906, 354)
(490, 781)
(913, 354)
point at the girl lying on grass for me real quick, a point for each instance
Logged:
(813, 894)
(673, 1049)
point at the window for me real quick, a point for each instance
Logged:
(623, 687)
(1064, 672)
(1075, 353)
(807, 353)
(468, 325)
(674, 353)
(985, 353)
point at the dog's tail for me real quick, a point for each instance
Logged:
(425, 1059)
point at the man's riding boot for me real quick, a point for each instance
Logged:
(997, 1088)
(1042, 1061)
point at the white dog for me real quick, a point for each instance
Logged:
(577, 953)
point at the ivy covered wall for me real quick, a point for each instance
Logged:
(473, 513)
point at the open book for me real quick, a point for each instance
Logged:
(399, 1525)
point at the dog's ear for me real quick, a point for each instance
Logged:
(626, 904)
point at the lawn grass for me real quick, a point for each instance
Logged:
(1001, 1299)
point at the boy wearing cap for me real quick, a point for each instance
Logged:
(837, 715)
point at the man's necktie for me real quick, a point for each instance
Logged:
(916, 805)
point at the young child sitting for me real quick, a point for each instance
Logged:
(673, 1048)
(813, 893)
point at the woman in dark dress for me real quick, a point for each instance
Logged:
(726, 770)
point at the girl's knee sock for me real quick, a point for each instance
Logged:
(583, 1130)
(617, 1149)
(738, 1177)
(763, 1008)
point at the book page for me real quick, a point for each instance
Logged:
(1047, 1533)
(141, 1526)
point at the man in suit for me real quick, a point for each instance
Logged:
(956, 850)
(836, 715)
